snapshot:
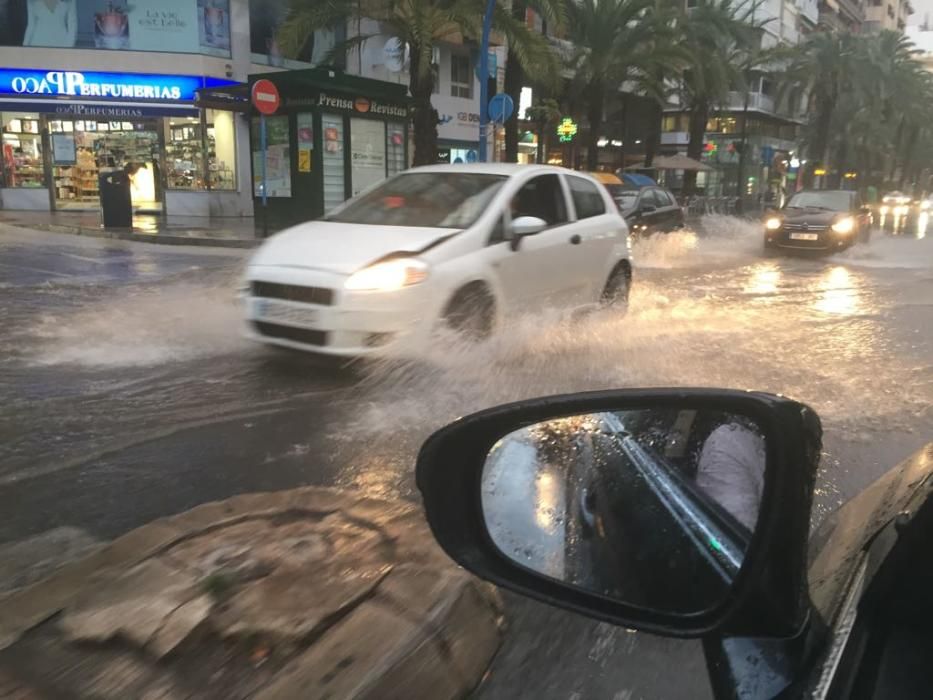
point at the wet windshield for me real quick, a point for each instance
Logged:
(624, 198)
(830, 201)
(433, 199)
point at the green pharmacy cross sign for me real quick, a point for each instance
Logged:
(567, 129)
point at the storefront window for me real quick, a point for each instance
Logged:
(184, 154)
(278, 159)
(22, 151)
(674, 122)
(395, 148)
(221, 150)
(334, 187)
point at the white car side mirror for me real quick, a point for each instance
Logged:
(527, 226)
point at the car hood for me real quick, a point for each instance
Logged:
(343, 248)
(815, 217)
(836, 545)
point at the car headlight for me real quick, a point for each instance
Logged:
(845, 225)
(925, 204)
(389, 275)
(773, 224)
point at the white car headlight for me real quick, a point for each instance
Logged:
(773, 224)
(388, 276)
(845, 225)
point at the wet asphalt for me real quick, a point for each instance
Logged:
(127, 393)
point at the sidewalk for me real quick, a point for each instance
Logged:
(147, 228)
(308, 593)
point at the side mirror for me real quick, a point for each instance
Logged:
(527, 226)
(524, 226)
(679, 512)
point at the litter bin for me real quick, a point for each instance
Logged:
(116, 204)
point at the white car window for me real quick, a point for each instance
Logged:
(587, 199)
(542, 197)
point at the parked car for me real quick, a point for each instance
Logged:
(818, 220)
(459, 245)
(728, 557)
(648, 209)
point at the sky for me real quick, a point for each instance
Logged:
(921, 8)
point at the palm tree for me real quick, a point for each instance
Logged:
(543, 114)
(420, 25)
(720, 36)
(823, 68)
(615, 42)
(553, 12)
(869, 101)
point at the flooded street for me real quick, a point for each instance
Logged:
(129, 394)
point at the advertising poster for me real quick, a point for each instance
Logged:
(175, 26)
(367, 153)
(63, 149)
(305, 123)
(278, 161)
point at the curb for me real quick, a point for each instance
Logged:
(155, 238)
(424, 628)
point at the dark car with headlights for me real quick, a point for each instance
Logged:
(648, 209)
(818, 220)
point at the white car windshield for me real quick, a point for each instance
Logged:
(432, 199)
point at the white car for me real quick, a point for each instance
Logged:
(461, 245)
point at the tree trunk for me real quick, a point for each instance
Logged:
(514, 77)
(424, 116)
(654, 133)
(623, 129)
(594, 115)
(540, 155)
(699, 115)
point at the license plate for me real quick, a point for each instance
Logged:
(805, 236)
(268, 310)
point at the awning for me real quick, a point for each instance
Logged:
(232, 98)
(677, 162)
(637, 180)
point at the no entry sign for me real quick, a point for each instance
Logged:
(265, 96)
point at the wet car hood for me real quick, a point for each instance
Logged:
(343, 248)
(815, 217)
(836, 545)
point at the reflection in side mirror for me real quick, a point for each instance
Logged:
(527, 226)
(653, 508)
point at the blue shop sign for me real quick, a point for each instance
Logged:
(31, 84)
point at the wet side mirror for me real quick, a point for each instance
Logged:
(677, 512)
(524, 226)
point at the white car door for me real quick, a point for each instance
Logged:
(599, 227)
(537, 274)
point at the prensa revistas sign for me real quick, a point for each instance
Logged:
(135, 87)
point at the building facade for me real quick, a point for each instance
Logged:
(752, 138)
(68, 115)
(887, 14)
